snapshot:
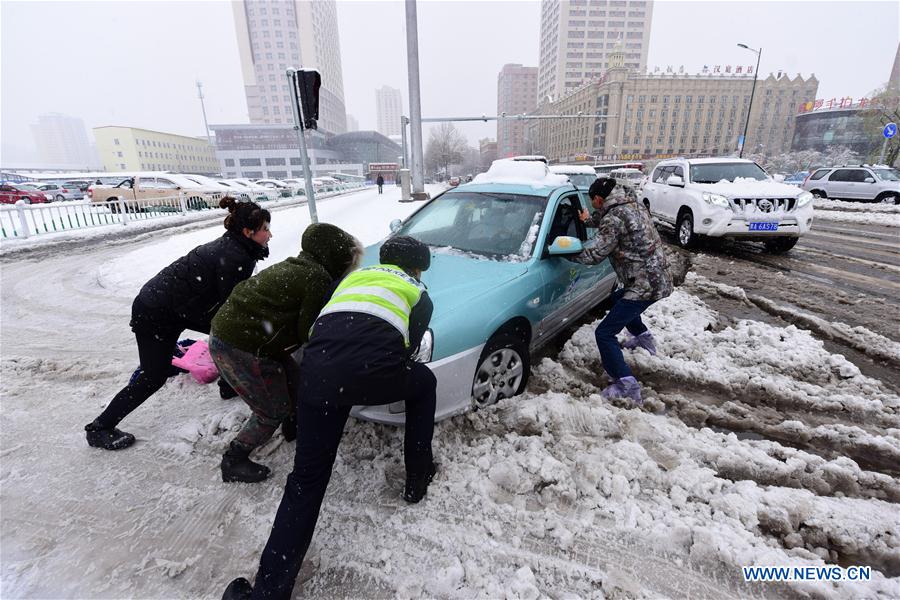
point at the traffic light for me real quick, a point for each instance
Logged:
(308, 83)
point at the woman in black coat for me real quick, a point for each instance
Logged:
(184, 295)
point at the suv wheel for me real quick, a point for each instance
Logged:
(781, 244)
(888, 198)
(684, 230)
(818, 194)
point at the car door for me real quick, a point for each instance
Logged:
(651, 188)
(7, 195)
(839, 184)
(663, 208)
(568, 288)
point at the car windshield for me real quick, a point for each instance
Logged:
(716, 172)
(582, 179)
(494, 225)
(887, 174)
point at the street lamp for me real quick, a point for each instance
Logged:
(752, 91)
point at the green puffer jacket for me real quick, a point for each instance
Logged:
(271, 313)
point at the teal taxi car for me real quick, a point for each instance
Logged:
(501, 284)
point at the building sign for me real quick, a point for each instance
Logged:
(383, 167)
(845, 102)
(728, 69)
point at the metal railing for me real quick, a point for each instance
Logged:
(20, 221)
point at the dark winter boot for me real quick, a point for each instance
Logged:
(239, 589)
(417, 485)
(226, 392)
(237, 466)
(289, 428)
(107, 438)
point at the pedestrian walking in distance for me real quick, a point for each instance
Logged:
(359, 353)
(265, 320)
(380, 183)
(184, 295)
(625, 234)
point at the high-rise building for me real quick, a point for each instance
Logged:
(516, 95)
(487, 149)
(352, 123)
(658, 115)
(62, 140)
(389, 109)
(274, 35)
(578, 36)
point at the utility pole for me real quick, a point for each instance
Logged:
(301, 140)
(752, 92)
(415, 103)
(203, 108)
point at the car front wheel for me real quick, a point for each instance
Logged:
(684, 230)
(889, 198)
(781, 244)
(503, 370)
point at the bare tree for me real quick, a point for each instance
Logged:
(883, 108)
(446, 146)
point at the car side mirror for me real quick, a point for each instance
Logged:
(869, 180)
(395, 225)
(675, 181)
(177, 187)
(565, 245)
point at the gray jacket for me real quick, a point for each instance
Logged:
(625, 234)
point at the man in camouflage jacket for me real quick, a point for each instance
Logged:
(625, 235)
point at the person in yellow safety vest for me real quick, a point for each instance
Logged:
(359, 353)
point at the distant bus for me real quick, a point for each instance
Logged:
(609, 168)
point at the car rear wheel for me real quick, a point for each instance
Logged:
(781, 244)
(59, 198)
(684, 230)
(503, 370)
(26, 199)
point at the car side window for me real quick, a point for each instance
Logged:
(842, 175)
(858, 175)
(819, 174)
(165, 184)
(566, 221)
(679, 172)
(6, 188)
(660, 175)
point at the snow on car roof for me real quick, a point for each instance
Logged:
(523, 172)
(724, 159)
(573, 169)
(745, 187)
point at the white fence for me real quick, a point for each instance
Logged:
(22, 220)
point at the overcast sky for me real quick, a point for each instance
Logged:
(135, 63)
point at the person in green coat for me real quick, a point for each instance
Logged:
(265, 319)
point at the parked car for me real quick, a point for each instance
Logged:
(298, 186)
(34, 187)
(80, 184)
(861, 182)
(530, 157)
(727, 197)
(453, 181)
(581, 176)
(60, 193)
(258, 192)
(633, 178)
(196, 196)
(501, 284)
(284, 190)
(10, 193)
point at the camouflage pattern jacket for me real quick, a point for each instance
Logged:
(625, 234)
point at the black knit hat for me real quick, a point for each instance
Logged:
(602, 187)
(406, 253)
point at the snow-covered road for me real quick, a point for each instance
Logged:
(553, 493)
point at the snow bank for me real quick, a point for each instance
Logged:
(867, 207)
(522, 172)
(886, 219)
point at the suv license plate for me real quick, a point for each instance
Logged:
(763, 227)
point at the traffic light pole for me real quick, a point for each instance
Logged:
(415, 105)
(301, 140)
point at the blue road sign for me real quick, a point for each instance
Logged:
(890, 130)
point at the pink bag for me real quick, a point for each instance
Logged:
(198, 361)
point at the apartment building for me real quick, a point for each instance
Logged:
(388, 110)
(657, 115)
(135, 149)
(274, 35)
(578, 37)
(516, 95)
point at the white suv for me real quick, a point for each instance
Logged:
(727, 197)
(863, 182)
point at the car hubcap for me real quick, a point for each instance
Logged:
(498, 376)
(684, 234)
(890, 200)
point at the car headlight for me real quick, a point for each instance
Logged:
(804, 199)
(423, 355)
(716, 199)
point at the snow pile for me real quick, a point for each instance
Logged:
(885, 219)
(522, 172)
(746, 187)
(826, 204)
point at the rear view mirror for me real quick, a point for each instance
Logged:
(869, 180)
(395, 225)
(565, 245)
(675, 180)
